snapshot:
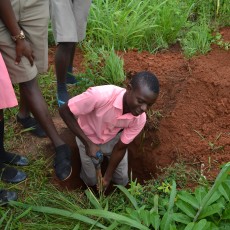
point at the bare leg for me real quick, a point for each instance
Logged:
(63, 58)
(70, 79)
(37, 105)
(31, 94)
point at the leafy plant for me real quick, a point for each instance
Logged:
(106, 66)
(202, 209)
(197, 40)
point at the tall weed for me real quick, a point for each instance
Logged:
(197, 40)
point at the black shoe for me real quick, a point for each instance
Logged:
(30, 123)
(13, 159)
(6, 196)
(70, 79)
(62, 162)
(10, 174)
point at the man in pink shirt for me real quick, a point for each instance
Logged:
(106, 119)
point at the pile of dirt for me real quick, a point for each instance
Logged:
(193, 112)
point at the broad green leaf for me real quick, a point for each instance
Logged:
(172, 196)
(128, 195)
(77, 226)
(167, 218)
(173, 227)
(113, 216)
(133, 214)
(156, 198)
(216, 195)
(186, 208)
(145, 217)
(190, 226)
(226, 214)
(93, 200)
(200, 193)
(220, 178)
(225, 190)
(155, 220)
(188, 198)
(224, 225)
(200, 225)
(181, 218)
(112, 226)
(60, 212)
(210, 210)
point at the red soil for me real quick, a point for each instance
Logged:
(194, 103)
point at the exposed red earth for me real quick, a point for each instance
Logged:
(194, 111)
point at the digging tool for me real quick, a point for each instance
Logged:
(97, 163)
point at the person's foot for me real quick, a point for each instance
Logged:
(62, 162)
(62, 98)
(33, 126)
(6, 196)
(13, 159)
(70, 79)
(10, 174)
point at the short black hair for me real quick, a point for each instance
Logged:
(145, 78)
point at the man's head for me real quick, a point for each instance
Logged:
(141, 93)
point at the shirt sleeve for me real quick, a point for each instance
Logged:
(86, 102)
(128, 134)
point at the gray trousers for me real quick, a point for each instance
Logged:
(88, 171)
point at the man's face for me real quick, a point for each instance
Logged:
(140, 99)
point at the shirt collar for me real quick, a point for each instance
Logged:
(118, 102)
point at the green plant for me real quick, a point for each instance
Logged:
(213, 145)
(51, 41)
(165, 187)
(202, 209)
(218, 40)
(197, 40)
(105, 65)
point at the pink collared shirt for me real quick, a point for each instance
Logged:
(99, 112)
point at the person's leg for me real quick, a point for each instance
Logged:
(37, 105)
(120, 176)
(70, 79)
(88, 171)
(62, 61)
(25, 119)
(8, 174)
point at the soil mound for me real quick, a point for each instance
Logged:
(191, 119)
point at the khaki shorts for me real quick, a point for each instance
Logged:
(88, 171)
(33, 18)
(69, 19)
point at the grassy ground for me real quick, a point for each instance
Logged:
(120, 25)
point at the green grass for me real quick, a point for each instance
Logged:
(120, 25)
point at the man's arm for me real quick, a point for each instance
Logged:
(73, 125)
(116, 157)
(8, 17)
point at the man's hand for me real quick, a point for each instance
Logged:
(105, 184)
(23, 48)
(92, 149)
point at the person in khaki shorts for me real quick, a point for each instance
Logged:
(23, 44)
(105, 119)
(69, 21)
